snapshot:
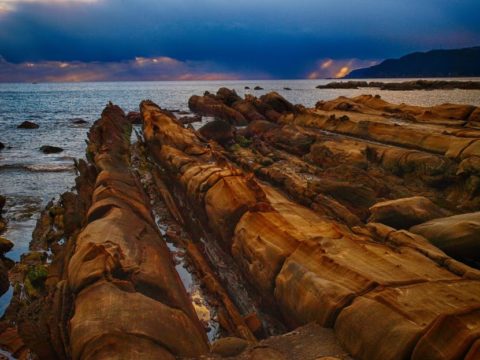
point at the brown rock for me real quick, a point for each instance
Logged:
(228, 346)
(457, 235)
(218, 130)
(134, 117)
(406, 212)
(5, 245)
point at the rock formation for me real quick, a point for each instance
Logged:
(5, 246)
(404, 85)
(48, 149)
(311, 266)
(28, 125)
(333, 220)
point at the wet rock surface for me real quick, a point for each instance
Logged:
(350, 225)
(48, 149)
(28, 125)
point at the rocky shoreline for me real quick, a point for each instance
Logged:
(354, 225)
(404, 85)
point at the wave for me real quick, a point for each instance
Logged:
(39, 167)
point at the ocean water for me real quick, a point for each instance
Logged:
(29, 178)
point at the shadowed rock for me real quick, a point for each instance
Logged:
(312, 267)
(457, 235)
(28, 125)
(406, 212)
(218, 130)
(47, 149)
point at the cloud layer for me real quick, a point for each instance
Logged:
(140, 68)
(276, 38)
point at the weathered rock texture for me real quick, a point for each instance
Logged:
(112, 290)
(5, 246)
(313, 205)
(388, 294)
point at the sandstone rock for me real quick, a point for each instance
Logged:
(457, 235)
(134, 117)
(5, 245)
(47, 149)
(209, 105)
(405, 213)
(227, 96)
(28, 125)
(228, 346)
(258, 127)
(315, 268)
(218, 130)
(118, 262)
(190, 119)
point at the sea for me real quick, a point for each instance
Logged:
(29, 179)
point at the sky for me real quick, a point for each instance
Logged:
(101, 40)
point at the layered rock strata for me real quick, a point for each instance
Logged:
(112, 290)
(388, 293)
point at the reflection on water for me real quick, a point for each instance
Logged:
(29, 178)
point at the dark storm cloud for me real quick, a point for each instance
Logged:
(281, 38)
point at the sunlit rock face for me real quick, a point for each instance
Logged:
(358, 215)
(317, 260)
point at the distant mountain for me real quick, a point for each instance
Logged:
(435, 63)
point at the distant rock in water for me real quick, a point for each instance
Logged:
(79, 121)
(247, 87)
(287, 88)
(47, 149)
(28, 125)
(257, 88)
(2, 146)
(434, 63)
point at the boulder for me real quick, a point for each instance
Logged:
(28, 125)
(406, 212)
(134, 117)
(47, 149)
(458, 235)
(218, 130)
(228, 346)
(227, 96)
(258, 127)
(5, 245)
(210, 105)
(190, 119)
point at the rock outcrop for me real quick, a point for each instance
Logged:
(312, 267)
(48, 149)
(404, 85)
(405, 213)
(458, 235)
(329, 220)
(5, 246)
(28, 125)
(113, 260)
